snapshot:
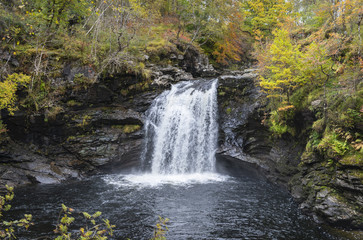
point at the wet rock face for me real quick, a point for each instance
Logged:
(242, 134)
(70, 146)
(195, 62)
(331, 208)
(331, 194)
(22, 165)
(110, 136)
(100, 128)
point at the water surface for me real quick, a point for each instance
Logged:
(199, 206)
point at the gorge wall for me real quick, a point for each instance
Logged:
(331, 194)
(100, 129)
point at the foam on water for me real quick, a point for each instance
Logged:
(157, 180)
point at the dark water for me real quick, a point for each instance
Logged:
(233, 208)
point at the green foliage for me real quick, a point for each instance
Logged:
(279, 121)
(286, 69)
(7, 228)
(299, 97)
(313, 142)
(57, 13)
(93, 229)
(39, 95)
(337, 135)
(231, 44)
(332, 146)
(12, 28)
(159, 49)
(351, 117)
(278, 129)
(316, 67)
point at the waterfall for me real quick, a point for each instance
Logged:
(181, 129)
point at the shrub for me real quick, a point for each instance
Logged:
(8, 90)
(279, 121)
(277, 128)
(161, 229)
(332, 146)
(7, 228)
(91, 231)
(319, 125)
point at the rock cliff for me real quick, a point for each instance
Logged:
(100, 129)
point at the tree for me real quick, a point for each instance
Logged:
(234, 43)
(56, 13)
(263, 16)
(317, 67)
(281, 66)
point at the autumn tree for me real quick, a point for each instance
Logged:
(263, 16)
(234, 44)
(281, 66)
(335, 28)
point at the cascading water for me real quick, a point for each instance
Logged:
(181, 129)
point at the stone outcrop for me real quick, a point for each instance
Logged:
(242, 133)
(71, 145)
(330, 193)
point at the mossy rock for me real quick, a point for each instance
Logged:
(354, 160)
(73, 103)
(127, 128)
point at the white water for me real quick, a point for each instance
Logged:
(181, 130)
(156, 180)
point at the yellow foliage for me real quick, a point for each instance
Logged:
(8, 90)
(281, 66)
(286, 108)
